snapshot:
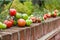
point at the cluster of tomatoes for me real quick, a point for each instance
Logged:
(50, 15)
(19, 19)
(23, 19)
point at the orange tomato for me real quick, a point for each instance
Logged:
(21, 22)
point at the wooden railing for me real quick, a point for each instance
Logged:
(46, 30)
(50, 35)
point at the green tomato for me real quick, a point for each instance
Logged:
(1, 25)
(28, 22)
(18, 15)
(4, 26)
(25, 16)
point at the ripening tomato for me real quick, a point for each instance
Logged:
(54, 14)
(38, 20)
(11, 20)
(33, 19)
(45, 14)
(44, 17)
(8, 23)
(5, 21)
(49, 15)
(21, 22)
(12, 12)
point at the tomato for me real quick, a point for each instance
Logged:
(44, 17)
(33, 19)
(54, 14)
(45, 14)
(49, 15)
(28, 22)
(18, 15)
(11, 20)
(5, 21)
(38, 20)
(21, 22)
(2, 26)
(25, 16)
(12, 12)
(8, 23)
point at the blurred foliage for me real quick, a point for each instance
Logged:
(49, 6)
(3, 3)
(52, 4)
(8, 6)
(29, 6)
(4, 15)
(37, 11)
(25, 7)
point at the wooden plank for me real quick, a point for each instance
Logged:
(51, 34)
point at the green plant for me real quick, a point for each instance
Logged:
(52, 4)
(4, 15)
(25, 7)
(38, 11)
(29, 7)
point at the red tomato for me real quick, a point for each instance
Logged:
(5, 21)
(45, 14)
(45, 17)
(21, 22)
(33, 19)
(12, 21)
(8, 23)
(55, 14)
(12, 12)
(48, 15)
